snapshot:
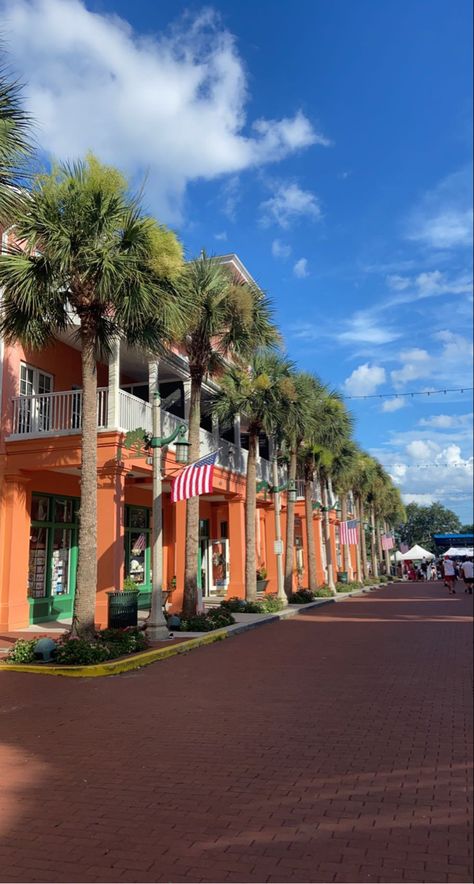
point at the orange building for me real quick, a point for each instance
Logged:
(40, 455)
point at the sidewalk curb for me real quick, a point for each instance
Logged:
(137, 661)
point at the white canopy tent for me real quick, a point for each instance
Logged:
(459, 552)
(416, 553)
(396, 555)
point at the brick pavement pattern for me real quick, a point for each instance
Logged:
(334, 746)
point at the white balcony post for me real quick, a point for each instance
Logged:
(215, 430)
(237, 441)
(113, 401)
(187, 398)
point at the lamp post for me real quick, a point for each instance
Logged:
(156, 627)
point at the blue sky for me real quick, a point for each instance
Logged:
(328, 144)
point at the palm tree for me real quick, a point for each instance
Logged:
(332, 427)
(15, 147)
(89, 261)
(226, 319)
(298, 423)
(262, 391)
(362, 483)
(342, 473)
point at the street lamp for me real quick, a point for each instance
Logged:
(156, 627)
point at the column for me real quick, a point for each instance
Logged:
(187, 398)
(110, 537)
(236, 518)
(113, 401)
(179, 522)
(15, 501)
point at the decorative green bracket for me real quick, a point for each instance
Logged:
(272, 489)
(161, 441)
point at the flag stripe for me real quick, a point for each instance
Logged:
(194, 480)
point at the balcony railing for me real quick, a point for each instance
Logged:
(54, 414)
(60, 414)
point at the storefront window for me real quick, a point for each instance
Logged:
(37, 563)
(40, 508)
(137, 544)
(53, 547)
(60, 566)
(63, 510)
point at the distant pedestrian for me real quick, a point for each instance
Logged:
(433, 572)
(424, 568)
(449, 575)
(467, 569)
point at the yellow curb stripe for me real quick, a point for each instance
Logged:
(115, 667)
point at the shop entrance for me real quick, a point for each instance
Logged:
(204, 559)
(137, 551)
(52, 557)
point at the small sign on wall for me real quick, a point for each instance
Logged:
(278, 547)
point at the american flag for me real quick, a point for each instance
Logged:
(194, 479)
(387, 541)
(348, 532)
(139, 545)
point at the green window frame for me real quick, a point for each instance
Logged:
(137, 529)
(52, 604)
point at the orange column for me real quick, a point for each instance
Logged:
(14, 545)
(110, 538)
(236, 512)
(179, 511)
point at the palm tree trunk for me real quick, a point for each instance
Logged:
(250, 510)
(358, 546)
(192, 508)
(363, 545)
(373, 544)
(311, 549)
(327, 536)
(83, 624)
(290, 527)
(387, 552)
(346, 549)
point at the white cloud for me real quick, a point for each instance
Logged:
(364, 380)
(394, 404)
(451, 363)
(363, 328)
(222, 236)
(447, 421)
(280, 249)
(231, 196)
(289, 203)
(419, 449)
(300, 268)
(443, 218)
(173, 106)
(397, 282)
(421, 499)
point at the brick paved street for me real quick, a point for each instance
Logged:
(334, 746)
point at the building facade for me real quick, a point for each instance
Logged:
(40, 457)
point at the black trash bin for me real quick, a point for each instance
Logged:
(122, 609)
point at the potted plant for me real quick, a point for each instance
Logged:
(262, 581)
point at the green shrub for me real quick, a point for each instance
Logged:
(254, 608)
(301, 597)
(216, 618)
(343, 587)
(23, 651)
(383, 579)
(123, 641)
(234, 604)
(80, 652)
(323, 592)
(129, 585)
(271, 604)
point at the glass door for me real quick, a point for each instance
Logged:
(52, 557)
(137, 551)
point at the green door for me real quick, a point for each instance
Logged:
(52, 557)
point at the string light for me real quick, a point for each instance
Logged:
(412, 393)
(423, 466)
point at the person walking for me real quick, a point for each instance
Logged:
(424, 568)
(433, 572)
(467, 569)
(449, 575)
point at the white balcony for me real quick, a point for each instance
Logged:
(60, 414)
